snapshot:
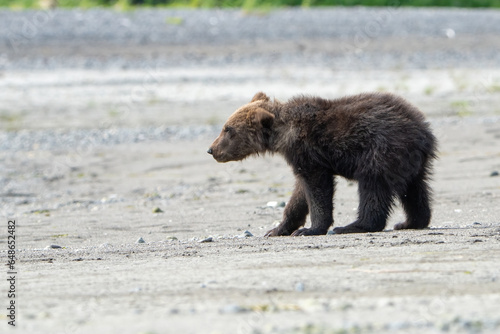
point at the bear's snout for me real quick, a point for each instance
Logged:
(215, 152)
(219, 155)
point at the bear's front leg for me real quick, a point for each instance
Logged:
(319, 188)
(295, 213)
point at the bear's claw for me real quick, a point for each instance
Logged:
(401, 226)
(271, 233)
(276, 232)
(307, 231)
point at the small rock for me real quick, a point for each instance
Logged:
(209, 239)
(53, 247)
(272, 204)
(494, 173)
(476, 223)
(281, 204)
(157, 210)
(172, 238)
(313, 306)
(232, 308)
(113, 198)
(246, 234)
(140, 241)
(299, 287)
(450, 33)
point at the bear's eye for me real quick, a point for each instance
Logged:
(228, 129)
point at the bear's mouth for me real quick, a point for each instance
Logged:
(221, 157)
(224, 157)
(220, 160)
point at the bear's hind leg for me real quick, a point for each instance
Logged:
(295, 213)
(416, 205)
(375, 202)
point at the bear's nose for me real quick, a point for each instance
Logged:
(210, 151)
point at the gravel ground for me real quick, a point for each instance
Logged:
(338, 38)
(105, 118)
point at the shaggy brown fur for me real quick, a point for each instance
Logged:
(378, 139)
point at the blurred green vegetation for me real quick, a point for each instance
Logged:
(127, 4)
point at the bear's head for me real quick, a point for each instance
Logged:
(246, 132)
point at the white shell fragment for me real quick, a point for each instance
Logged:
(209, 239)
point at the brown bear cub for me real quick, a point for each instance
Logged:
(377, 139)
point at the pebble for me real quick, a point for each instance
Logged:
(140, 241)
(233, 308)
(172, 238)
(205, 284)
(494, 173)
(275, 204)
(300, 287)
(157, 210)
(53, 247)
(246, 234)
(209, 239)
(113, 198)
(313, 305)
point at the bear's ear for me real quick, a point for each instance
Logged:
(261, 117)
(260, 97)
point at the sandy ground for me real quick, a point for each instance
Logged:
(73, 176)
(97, 201)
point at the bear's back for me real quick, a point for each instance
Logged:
(369, 130)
